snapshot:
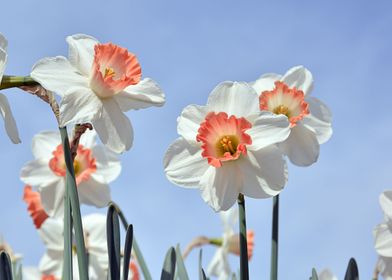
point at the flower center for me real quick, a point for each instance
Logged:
(84, 163)
(113, 69)
(223, 138)
(286, 101)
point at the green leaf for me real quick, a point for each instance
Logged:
(201, 271)
(314, 275)
(113, 242)
(5, 266)
(75, 207)
(169, 265)
(127, 251)
(352, 270)
(180, 269)
(67, 261)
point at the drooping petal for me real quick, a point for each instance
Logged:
(183, 164)
(80, 105)
(300, 78)
(108, 165)
(188, 123)
(220, 186)
(386, 203)
(44, 143)
(114, 128)
(234, 98)
(144, 94)
(95, 226)
(81, 52)
(89, 139)
(383, 240)
(58, 75)
(265, 82)
(268, 129)
(37, 172)
(319, 120)
(264, 172)
(301, 146)
(94, 193)
(52, 198)
(9, 121)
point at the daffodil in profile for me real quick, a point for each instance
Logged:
(97, 83)
(227, 147)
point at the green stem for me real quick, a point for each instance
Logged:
(67, 266)
(244, 269)
(274, 241)
(16, 81)
(138, 253)
(75, 207)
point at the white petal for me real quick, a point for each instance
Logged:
(3, 55)
(51, 263)
(81, 52)
(319, 120)
(184, 164)
(264, 172)
(299, 77)
(386, 203)
(3, 42)
(44, 143)
(37, 172)
(268, 129)
(94, 193)
(326, 274)
(57, 74)
(31, 273)
(221, 186)
(219, 265)
(301, 146)
(114, 128)
(9, 121)
(229, 219)
(51, 233)
(265, 82)
(145, 94)
(52, 198)
(234, 98)
(383, 240)
(89, 139)
(384, 265)
(95, 226)
(188, 123)
(108, 165)
(80, 105)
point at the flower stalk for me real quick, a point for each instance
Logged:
(274, 240)
(244, 270)
(17, 81)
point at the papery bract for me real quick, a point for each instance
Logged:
(95, 167)
(227, 148)
(310, 119)
(5, 110)
(97, 83)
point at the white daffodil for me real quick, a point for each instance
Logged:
(226, 148)
(97, 83)
(310, 119)
(51, 233)
(5, 110)
(33, 273)
(327, 274)
(95, 167)
(219, 265)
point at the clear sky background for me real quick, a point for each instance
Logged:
(328, 210)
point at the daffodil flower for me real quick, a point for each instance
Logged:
(97, 83)
(310, 119)
(226, 148)
(5, 110)
(95, 167)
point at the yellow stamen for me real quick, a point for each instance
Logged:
(109, 72)
(227, 145)
(281, 109)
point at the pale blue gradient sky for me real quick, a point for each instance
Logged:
(328, 211)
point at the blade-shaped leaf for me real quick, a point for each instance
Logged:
(169, 265)
(180, 269)
(67, 261)
(5, 266)
(314, 275)
(113, 242)
(352, 270)
(127, 251)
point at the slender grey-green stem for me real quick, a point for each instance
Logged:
(275, 236)
(244, 269)
(75, 206)
(138, 252)
(67, 266)
(16, 81)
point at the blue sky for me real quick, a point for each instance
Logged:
(328, 210)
